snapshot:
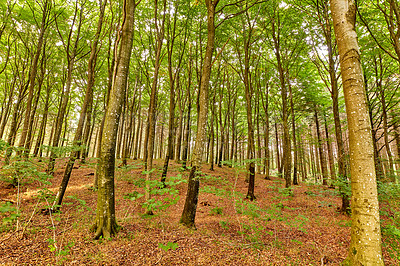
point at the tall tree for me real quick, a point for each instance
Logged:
(86, 107)
(29, 115)
(71, 49)
(173, 77)
(365, 246)
(105, 224)
(189, 210)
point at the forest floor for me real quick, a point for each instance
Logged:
(299, 226)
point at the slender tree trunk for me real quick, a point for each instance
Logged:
(14, 124)
(105, 224)
(250, 128)
(233, 144)
(171, 121)
(153, 103)
(42, 130)
(312, 154)
(189, 210)
(397, 139)
(128, 134)
(185, 154)
(32, 77)
(390, 172)
(138, 138)
(85, 111)
(178, 140)
(259, 156)
(121, 130)
(330, 153)
(287, 158)
(212, 134)
(324, 169)
(71, 57)
(278, 159)
(6, 112)
(295, 151)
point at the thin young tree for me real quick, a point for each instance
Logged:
(86, 107)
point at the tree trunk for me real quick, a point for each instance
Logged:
(295, 151)
(71, 57)
(153, 103)
(390, 173)
(278, 159)
(287, 158)
(42, 127)
(365, 246)
(179, 131)
(189, 210)
(330, 154)
(138, 138)
(250, 128)
(324, 169)
(32, 77)
(85, 112)
(212, 134)
(185, 154)
(6, 112)
(14, 123)
(105, 224)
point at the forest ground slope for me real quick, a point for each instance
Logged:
(299, 226)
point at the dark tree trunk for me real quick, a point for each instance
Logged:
(189, 210)
(322, 159)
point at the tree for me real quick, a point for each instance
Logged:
(189, 210)
(30, 114)
(365, 246)
(173, 79)
(71, 49)
(86, 108)
(105, 224)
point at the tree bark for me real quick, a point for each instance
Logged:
(105, 224)
(330, 153)
(322, 159)
(286, 157)
(32, 77)
(85, 111)
(189, 210)
(365, 246)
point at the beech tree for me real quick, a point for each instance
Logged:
(105, 224)
(365, 247)
(252, 84)
(189, 210)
